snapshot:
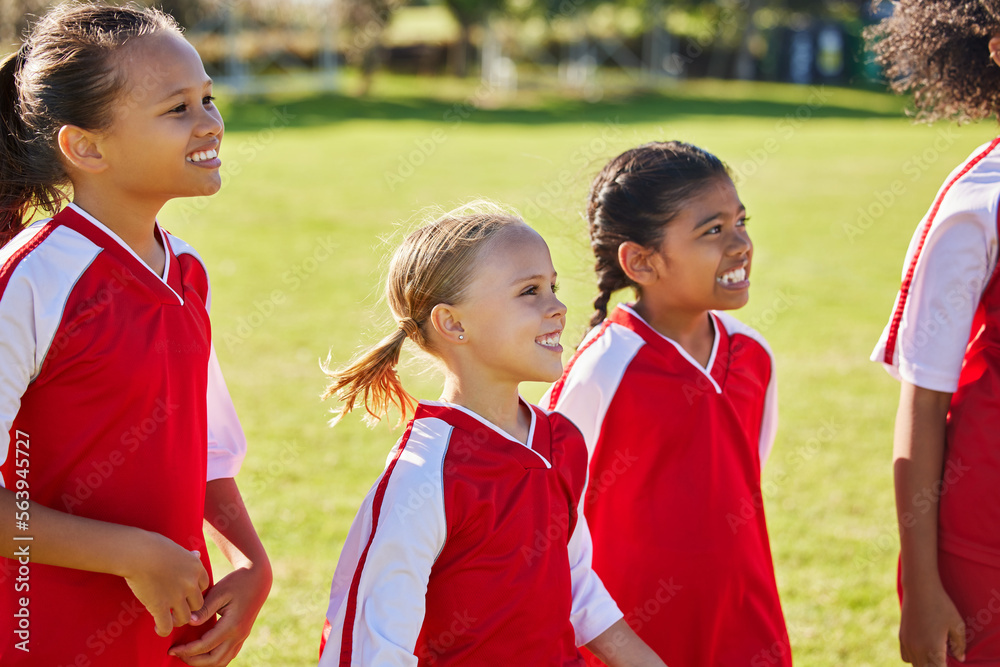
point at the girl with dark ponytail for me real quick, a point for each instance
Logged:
(677, 402)
(118, 438)
(442, 565)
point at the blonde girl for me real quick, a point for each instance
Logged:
(469, 548)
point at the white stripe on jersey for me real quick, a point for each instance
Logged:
(591, 385)
(31, 308)
(409, 536)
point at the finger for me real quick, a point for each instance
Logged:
(203, 580)
(219, 657)
(195, 603)
(213, 603)
(163, 621)
(938, 658)
(181, 615)
(956, 640)
(904, 654)
(204, 644)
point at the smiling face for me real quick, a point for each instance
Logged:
(510, 315)
(703, 260)
(165, 136)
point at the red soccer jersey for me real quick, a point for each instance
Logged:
(469, 551)
(104, 372)
(674, 496)
(944, 335)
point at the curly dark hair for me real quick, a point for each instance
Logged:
(939, 50)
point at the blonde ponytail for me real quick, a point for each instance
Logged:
(372, 377)
(432, 266)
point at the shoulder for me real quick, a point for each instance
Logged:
(188, 257)
(601, 360)
(425, 443)
(735, 327)
(971, 192)
(181, 247)
(46, 257)
(748, 350)
(568, 445)
(561, 428)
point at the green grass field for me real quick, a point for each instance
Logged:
(834, 181)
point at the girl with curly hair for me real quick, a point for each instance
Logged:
(941, 343)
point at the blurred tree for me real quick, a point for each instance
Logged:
(734, 30)
(187, 12)
(14, 18)
(366, 21)
(468, 13)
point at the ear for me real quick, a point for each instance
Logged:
(81, 149)
(995, 49)
(636, 261)
(447, 323)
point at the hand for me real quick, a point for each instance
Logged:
(930, 626)
(237, 598)
(167, 579)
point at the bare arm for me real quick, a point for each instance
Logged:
(930, 621)
(163, 575)
(238, 596)
(619, 646)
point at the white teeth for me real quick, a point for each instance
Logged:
(550, 340)
(734, 276)
(201, 156)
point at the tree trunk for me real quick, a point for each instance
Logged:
(745, 65)
(460, 51)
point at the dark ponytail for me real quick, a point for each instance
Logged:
(13, 195)
(65, 73)
(633, 199)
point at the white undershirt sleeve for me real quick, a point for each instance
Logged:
(593, 611)
(227, 445)
(769, 421)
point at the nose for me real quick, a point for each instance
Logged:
(558, 307)
(211, 123)
(740, 243)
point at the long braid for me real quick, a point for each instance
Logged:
(633, 198)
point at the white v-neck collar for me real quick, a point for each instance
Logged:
(163, 238)
(488, 424)
(704, 370)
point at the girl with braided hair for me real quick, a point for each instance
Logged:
(469, 550)
(941, 341)
(677, 402)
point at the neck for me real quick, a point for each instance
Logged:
(498, 404)
(692, 330)
(134, 222)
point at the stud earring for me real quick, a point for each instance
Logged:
(461, 337)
